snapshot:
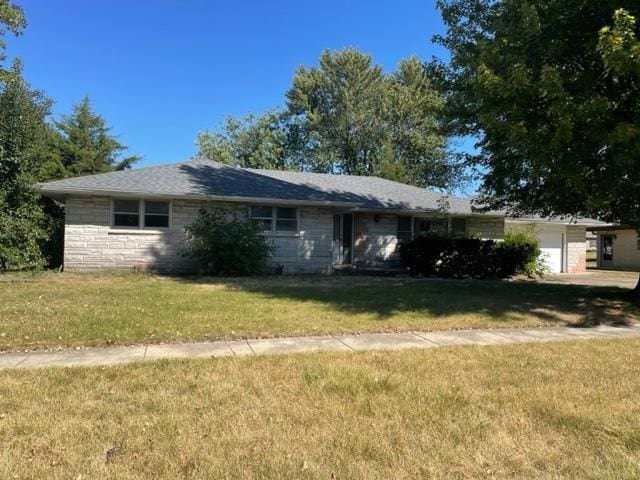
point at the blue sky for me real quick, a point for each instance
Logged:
(161, 71)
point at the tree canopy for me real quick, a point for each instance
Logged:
(81, 144)
(551, 91)
(265, 141)
(347, 116)
(11, 19)
(23, 143)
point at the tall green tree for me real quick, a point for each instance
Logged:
(271, 140)
(83, 145)
(413, 130)
(343, 102)
(551, 90)
(11, 19)
(23, 139)
(347, 116)
(77, 144)
(23, 143)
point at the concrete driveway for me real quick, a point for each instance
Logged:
(598, 278)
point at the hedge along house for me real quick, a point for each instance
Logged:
(317, 222)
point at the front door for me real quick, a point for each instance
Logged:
(342, 238)
(607, 251)
(347, 238)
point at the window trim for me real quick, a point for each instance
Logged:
(113, 214)
(445, 221)
(141, 214)
(274, 232)
(448, 219)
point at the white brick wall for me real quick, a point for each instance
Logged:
(311, 250)
(576, 249)
(376, 242)
(90, 242)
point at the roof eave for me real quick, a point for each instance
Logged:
(63, 192)
(547, 221)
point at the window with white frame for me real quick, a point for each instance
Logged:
(264, 216)
(156, 214)
(286, 219)
(134, 213)
(126, 213)
(437, 226)
(276, 219)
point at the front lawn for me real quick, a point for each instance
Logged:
(71, 309)
(566, 410)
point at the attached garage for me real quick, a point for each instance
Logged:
(563, 245)
(553, 245)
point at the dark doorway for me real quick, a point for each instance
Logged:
(607, 248)
(347, 237)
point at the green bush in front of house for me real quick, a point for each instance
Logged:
(470, 257)
(224, 244)
(520, 250)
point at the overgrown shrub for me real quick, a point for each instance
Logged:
(521, 250)
(460, 257)
(222, 243)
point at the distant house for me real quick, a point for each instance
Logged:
(136, 218)
(618, 247)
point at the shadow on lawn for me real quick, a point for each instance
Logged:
(576, 305)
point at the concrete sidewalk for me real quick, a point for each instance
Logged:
(346, 343)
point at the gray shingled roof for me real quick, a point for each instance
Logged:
(204, 178)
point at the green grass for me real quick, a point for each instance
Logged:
(563, 410)
(69, 310)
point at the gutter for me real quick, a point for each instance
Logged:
(222, 198)
(354, 207)
(546, 221)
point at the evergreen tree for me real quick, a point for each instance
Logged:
(83, 145)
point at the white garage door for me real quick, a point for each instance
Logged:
(552, 246)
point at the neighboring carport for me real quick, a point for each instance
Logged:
(618, 247)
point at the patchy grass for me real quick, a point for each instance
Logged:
(565, 410)
(70, 310)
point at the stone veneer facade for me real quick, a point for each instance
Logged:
(576, 249)
(91, 243)
(375, 241)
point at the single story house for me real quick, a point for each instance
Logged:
(137, 218)
(618, 247)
